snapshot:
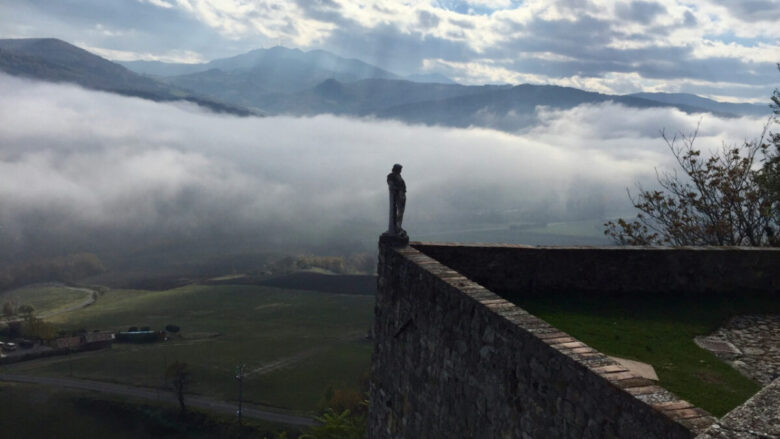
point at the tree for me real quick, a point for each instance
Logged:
(769, 177)
(178, 376)
(33, 327)
(14, 329)
(721, 200)
(8, 309)
(26, 310)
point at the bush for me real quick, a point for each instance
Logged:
(14, 329)
(36, 328)
(172, 328)
(8, 309)
(334, 425)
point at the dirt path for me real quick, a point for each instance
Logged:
(166, 396)
(89, 300)
(91, 297)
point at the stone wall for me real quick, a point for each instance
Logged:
(454, 360)
(512, 269)
(757, 418)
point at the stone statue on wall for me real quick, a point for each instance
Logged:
(397, 188)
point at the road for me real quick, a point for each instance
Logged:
(91, 295)
(89, 299)
(201, 402)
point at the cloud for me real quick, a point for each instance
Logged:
(159, 3)
(720, 42)
(639, 11)
(753, 10)
(84, 169)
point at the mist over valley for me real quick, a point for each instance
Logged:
(129, 178)
(204, 231)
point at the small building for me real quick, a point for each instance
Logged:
(88, 341)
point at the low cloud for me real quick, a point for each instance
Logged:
(84, 170)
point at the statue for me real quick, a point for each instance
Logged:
(397, 187)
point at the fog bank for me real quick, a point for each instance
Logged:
(84, 170)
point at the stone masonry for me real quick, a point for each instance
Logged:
(453, 359)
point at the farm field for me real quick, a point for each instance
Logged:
(46, 298)
(295, 344)
(660, 331)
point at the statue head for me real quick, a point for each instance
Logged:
(397, 168)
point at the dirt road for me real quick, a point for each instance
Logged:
(89, 299)
(166, 396)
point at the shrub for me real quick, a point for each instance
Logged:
(172, 328)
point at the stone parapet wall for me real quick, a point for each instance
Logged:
(518, 269)
(454, 360)
(757, 418)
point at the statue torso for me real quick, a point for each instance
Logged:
(396, 182)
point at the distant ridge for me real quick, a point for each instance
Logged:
(248, 78)
(294, 82)
(54, 60)
(708, 104)
(315, 66)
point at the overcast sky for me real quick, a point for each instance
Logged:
(725, 49)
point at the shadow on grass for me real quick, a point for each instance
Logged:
(660, 330)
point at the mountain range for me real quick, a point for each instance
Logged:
(54, 60)
(293, 82)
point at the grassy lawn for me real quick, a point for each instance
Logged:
(300, 342)
(31, 411)
(660, 331)
(45, 298)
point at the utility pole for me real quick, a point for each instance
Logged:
(240, 379)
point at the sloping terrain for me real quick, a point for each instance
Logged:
(298, 83)
(742, 109)
(54, 60)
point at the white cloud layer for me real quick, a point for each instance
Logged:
(82, 162)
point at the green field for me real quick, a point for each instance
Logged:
(660, 331)
(295, 344)
(32, 411)
(45, 298)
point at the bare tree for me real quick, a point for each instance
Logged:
(719, 200)
(178, 376)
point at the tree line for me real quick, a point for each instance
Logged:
(67, 268)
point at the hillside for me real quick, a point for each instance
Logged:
(54, 60)
(248, 78)
(742, 109)
(366, 97)
(298, 83)
(508, 108)
(502, 107)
